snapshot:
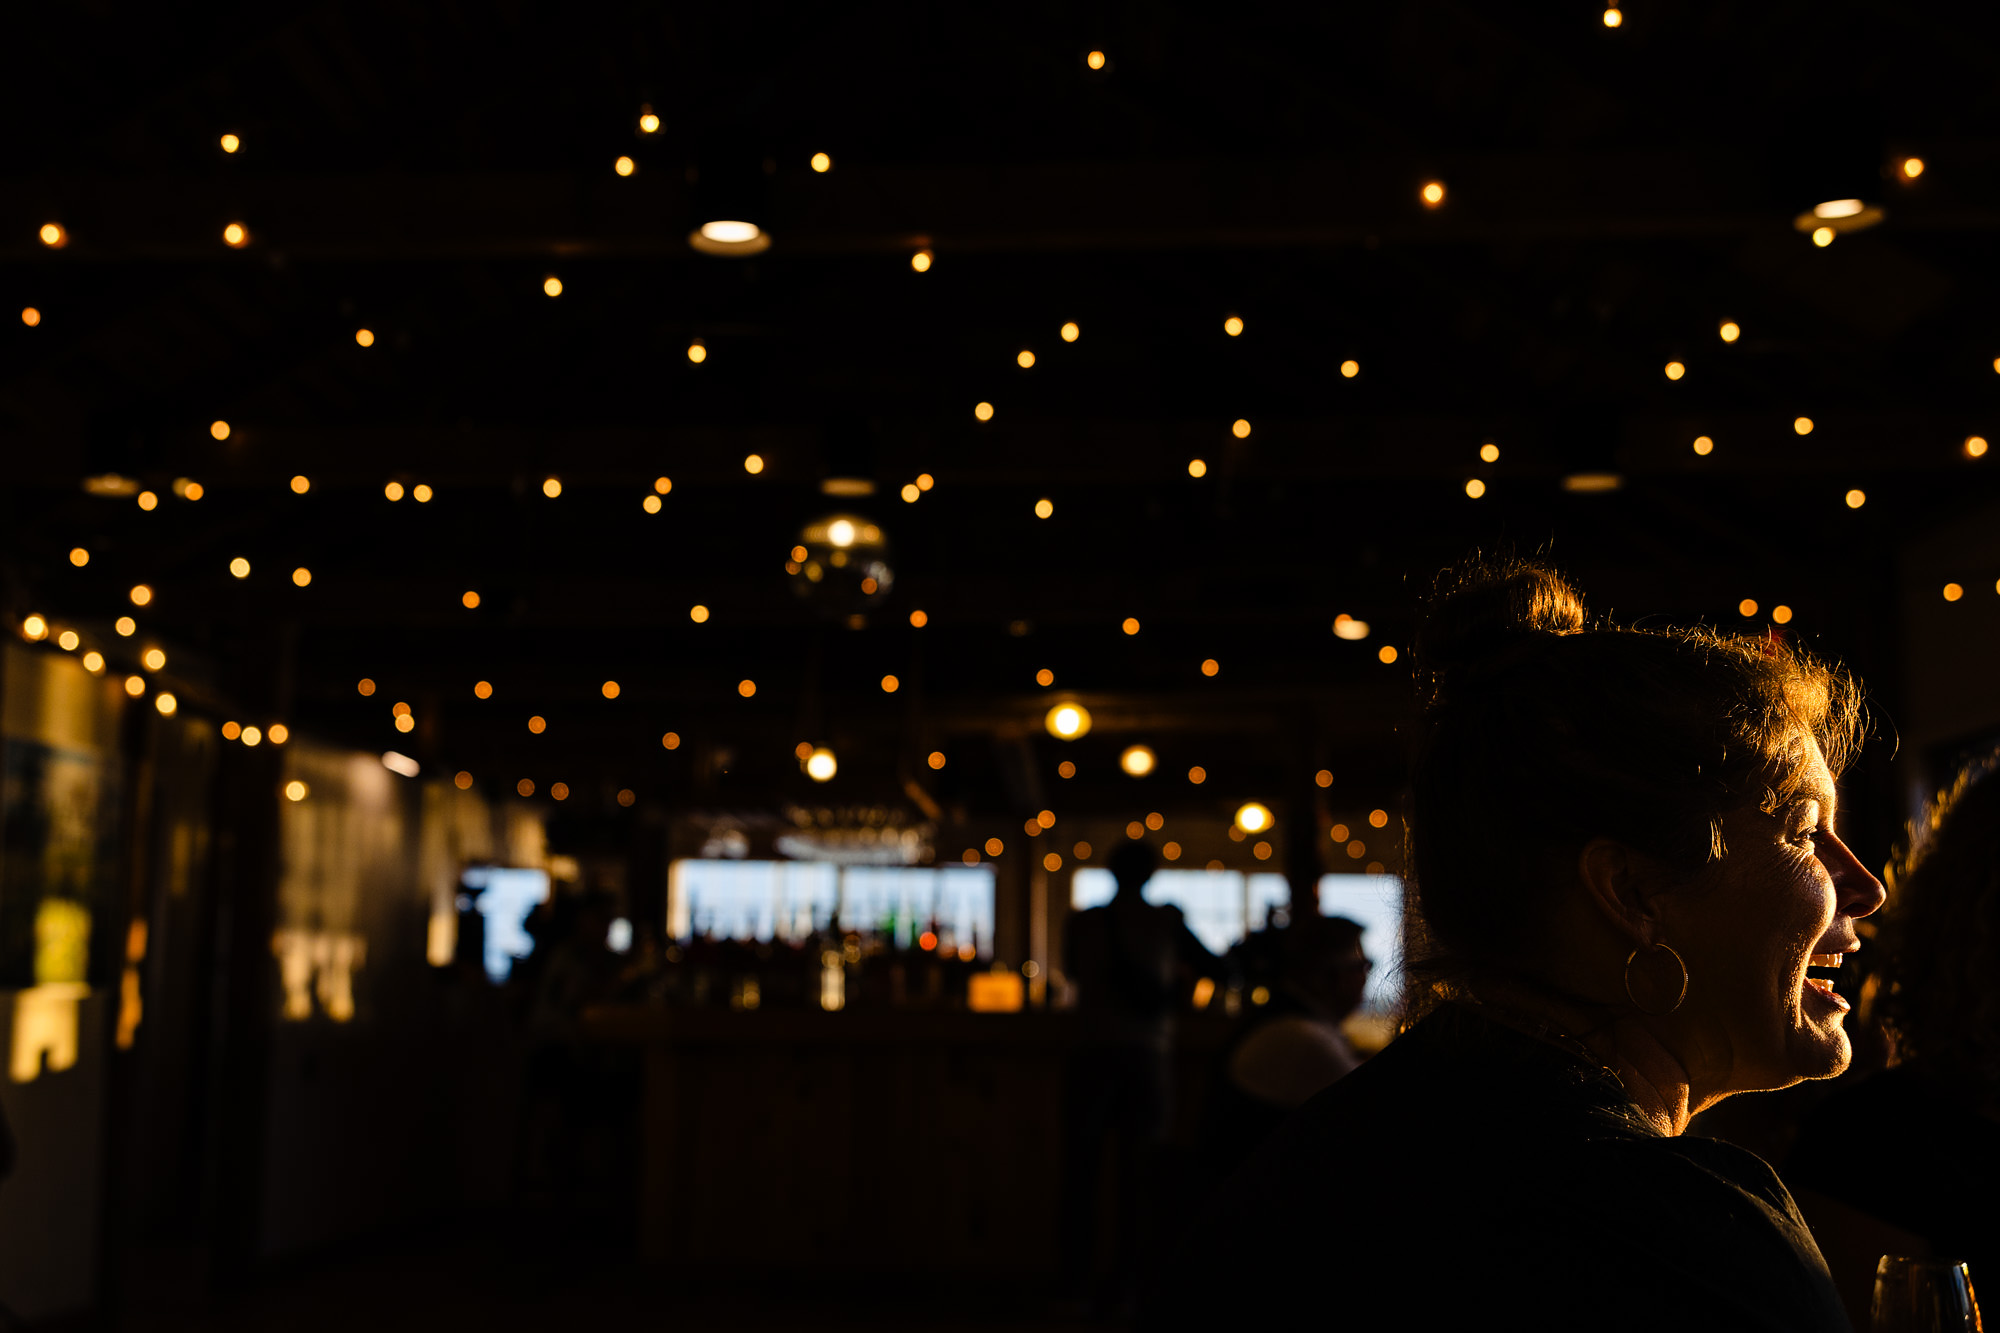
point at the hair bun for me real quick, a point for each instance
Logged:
(1482, 607)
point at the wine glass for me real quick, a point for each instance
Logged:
(1923, 1296)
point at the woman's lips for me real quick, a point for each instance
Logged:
(1823, 986)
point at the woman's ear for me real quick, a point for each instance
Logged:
(1619, 882)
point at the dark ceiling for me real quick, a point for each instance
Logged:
(420, 170)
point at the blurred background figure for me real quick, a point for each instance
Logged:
(1290, 1047)
(1132, 964)
(1932, 1119)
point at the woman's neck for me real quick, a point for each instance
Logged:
(1653, 1076)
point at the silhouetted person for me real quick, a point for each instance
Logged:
(1130, 962)
(1290, 1048)
(1626, 869)
(1905, 1162)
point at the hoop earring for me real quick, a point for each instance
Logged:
(1678, 998)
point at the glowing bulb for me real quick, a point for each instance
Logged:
(1130, 625)
(1703, 445)
(1822, 236)
(1952, 592)
(1349, 369)
(1094, 60)
(148, 501)
(93, 662)
(1975, 446)
(166, 703)
(1240, 429)
(1802, 425)
(230, 143)
(1137, 760)
(1475, 488)
(1071, 332)
(470, 600)
(394, 490)
(697, 351)
(1024, 359)
(753, 464)
(1433, 193)
(421, 493)
(920, 262)
(984, 411)
(68, 640)
(1913, 167)
(649, 123)
(821, 162)
(1730, 330)
(240, 567)
(1612, 18)
(551, 487)
(236, 236)
(698, 614)
(1197, 468)
(624, 166)
(219, 429)
(1044, 508)
(301, 484)
(302, 576)
(552, 285)
(30, 316)
(79, 557)
(126, 627)
(1252, 817)
(1233, 326)
(1856, 498)
(54, 236)
(1068, 721)
(840, 532)
(821, 765)
(1675, 370)
(141, 595)
(365, 337)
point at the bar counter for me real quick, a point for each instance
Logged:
(803, 1143)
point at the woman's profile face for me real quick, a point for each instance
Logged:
(1783, 900)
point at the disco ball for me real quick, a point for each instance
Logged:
(840, 564)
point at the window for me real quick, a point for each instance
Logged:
(504, 897)
(788, 900)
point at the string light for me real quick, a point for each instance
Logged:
(301, 484)
(925, 481)
(69, 640)
(421, 493)
(821, 162)
(1044, 508)
(1433, 193)
(230, 143)
(218, 429)
(552, 285)
(1025, 359)
(302, 576)
(1856, 498)
(153, 659)
(1975, 446)
(1730, 331)
(126, 626)
(53, 235)
(551, 487)
(240, 567)
(1349, 369)
(296, 790)
(188, 490)
(1233, 326)
(31, 316)
(753, 464)
(1802, 425)
(1240, 429)
(1781, 614)
(1475, 488)
(93, 662)
(920, 262)
(1952, 592)
(1675, 370)
(280, 733)
(230, 731)
(141, 595)
(663, 485)
(236, 236)
(365, 337)
(984, 411)
(148, 501)
(624, 166)
(697, 351)
(1489, 453)
(1703, 445)
(135, 686)
(910, 492)
(1197, 468)
(394, 490)
(1071, 332)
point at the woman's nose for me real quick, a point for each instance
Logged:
(1860, 892)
